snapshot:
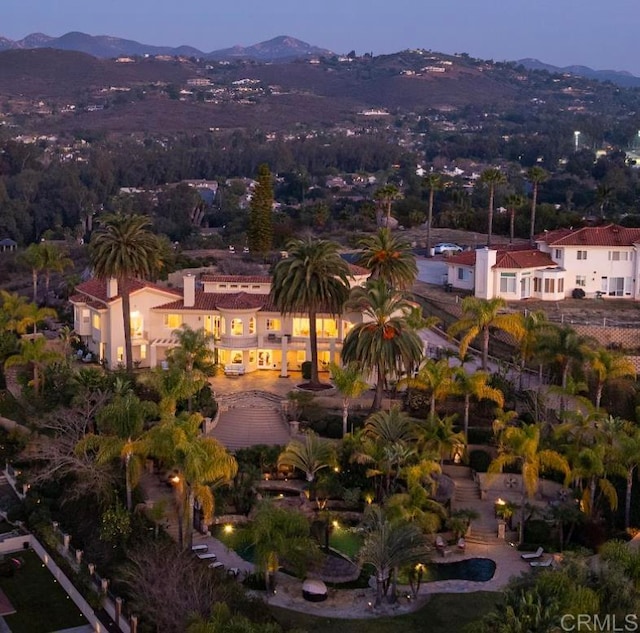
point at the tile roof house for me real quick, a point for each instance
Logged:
(250, 333)
(602, 261)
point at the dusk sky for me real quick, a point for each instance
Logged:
(602, 35)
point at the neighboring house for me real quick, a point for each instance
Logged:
(602, 261)
(7, 244)
(250, 334)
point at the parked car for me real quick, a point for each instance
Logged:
(444, 248)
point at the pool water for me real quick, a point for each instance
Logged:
(474, 569)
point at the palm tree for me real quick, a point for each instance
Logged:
(520, 446)
(535, 175)
(479, 316)
(121, 436)
(32, 257)
(389, 258)
(173, 385)
(492, 177)
(310, 455)
(122, 248)
(388, 546)
(384, 342)
(13, 311)
(527, 338)
(32, 315)
(627, 454)
(198, 462)
(436, 377)
(33, 352)
(385, 196)
(475, 385)
(312, 279)
(608, 367)
(593, 465)
(54, 260)
(433, 182)
(276, 533)
(513, 202)
(350, 382)
(438, 436)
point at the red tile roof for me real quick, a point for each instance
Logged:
(607, 235)
(354, 269)
(517, 258)
(209, 301)
(97, 289)
(247, 279)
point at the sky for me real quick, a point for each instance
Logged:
(602, 35)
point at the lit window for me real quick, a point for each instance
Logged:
(252, 325)
(274, 325)
(96, 321)
(237, 327)
(143, 352)
(173, 321)
(120, 354)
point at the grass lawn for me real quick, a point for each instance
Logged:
(444, 613)
(41, 604)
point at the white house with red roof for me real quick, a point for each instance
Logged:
(602, 261)
(250, 333)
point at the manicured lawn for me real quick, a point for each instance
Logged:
(346, 541)
(41, 604)
(444, 613)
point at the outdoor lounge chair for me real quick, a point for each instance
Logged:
(532, 555)
(216, 565)
(207, 556)
(542, 563)
(462, 544)
(440, 542)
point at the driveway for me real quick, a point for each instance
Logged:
(432, 270)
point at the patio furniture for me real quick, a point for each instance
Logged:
(462, 544)
(199, 549)
(532, 555)
(440, 543)
(314, 590)
(207, 556)
(542, 563)
(216, 565)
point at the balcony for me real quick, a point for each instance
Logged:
(229, 341)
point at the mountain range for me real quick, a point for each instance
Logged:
(277, 49)
(619, 77)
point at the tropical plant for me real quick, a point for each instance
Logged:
(385, 196)
(124, 248)
(350, 382)
(388, 546)
(491, 177)
(33, 258)
(474, 385)
(312, 279)
(609, 367)
(436, 377)
(437, 435)
(535, 175)
(310, 455)
(32, 315)
(432, 182)
(198, 462)
(172, 386)
(54, 260)
(479, 317)
(389, 258)
(627, 455)
(513, 202)
(12, 312)
(35, 353)
(521, 446)
(527, 337)
(384, 342)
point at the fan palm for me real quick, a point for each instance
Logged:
(123, 248)
(310, 455)
(535, 175)
(312, 279)
(479, 316)
(492, 177)
(384, 343)
(389, 258)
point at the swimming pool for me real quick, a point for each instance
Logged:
(474, 569)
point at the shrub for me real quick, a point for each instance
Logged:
(480, 435)
(306, 370)
(537, 532)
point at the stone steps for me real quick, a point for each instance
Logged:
(243, 427)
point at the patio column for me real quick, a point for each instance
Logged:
(284, 373)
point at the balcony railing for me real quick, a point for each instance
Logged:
(238, 342)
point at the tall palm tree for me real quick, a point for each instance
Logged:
(475, 385)
(13, 311)
(350, 382)
(385, 196)
(124, 248)
(384, 342)
(521, 446)
(535, 175)
(54, 260)
(33, 315)
(310, 455)
(627, 454)
(479, 316)
(32, 257)
(436, 377)
(513, 202)
(33, 352)
(491, 177)
(388, 546)
(312, 279)
(433, 182)
(438, 436)
(198, 462)
(593, 465)
(389, 258)
(527, 338)
(608, 367)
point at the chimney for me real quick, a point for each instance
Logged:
(112, 287)
(189, 286)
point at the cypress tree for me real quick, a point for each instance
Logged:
(260, 233)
